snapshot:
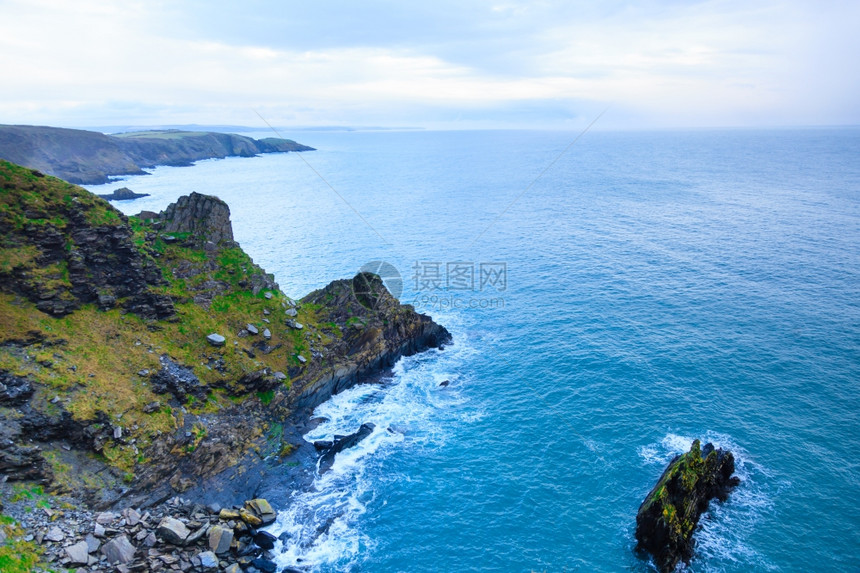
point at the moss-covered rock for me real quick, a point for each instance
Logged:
(670, 513)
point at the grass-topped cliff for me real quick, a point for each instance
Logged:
(104, 355)
(90, 157)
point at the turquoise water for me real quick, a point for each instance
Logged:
(660, 287)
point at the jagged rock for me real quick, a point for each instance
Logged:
(279, 376)
(14, 390)
(105, 517)
(216, 339)
(132, 517)
(668, 517)
(252, 329)
(342, 443)
(265, 540)
(176, 379)
(206, 217)
(228, 514)
(267, 334)
(99, 530)
(79, 553)
(220, 539)
(172, 531)
(119, 550)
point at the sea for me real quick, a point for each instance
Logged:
(612, 296)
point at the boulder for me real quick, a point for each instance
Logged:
(216, 339)
(208, 560)
(172, 531)
(252, 329)
(118, 550)
(670, 513)
(261, 509)
(265, 540)
(79, 553)
(220, 539)
(55, 534)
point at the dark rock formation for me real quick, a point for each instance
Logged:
(668, 517)
(123, 194)
(374, 337)
(341, 443)
(14, 390)
(88, 157)
(207, 218)
(178, 380)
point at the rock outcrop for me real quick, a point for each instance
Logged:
(88, 157)
(204, 216)
(374, 335)
(123, 194)
(670, 513)
(339, 444)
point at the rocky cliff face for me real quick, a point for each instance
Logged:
(670, 513)
(89, 157)
(164, 360)
(65, 248)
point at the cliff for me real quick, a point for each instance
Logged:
(141, 357)
(88, 157)
(670, 513)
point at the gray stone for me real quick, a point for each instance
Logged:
(252, 329)
(93, 544)
(79, 553)
(117, 433)
(234, 568)
(150, 540)
(267, 334)
(152, 407)
(268, 295)
(98, 530)
(280, 376)
(118, 550)
(55, 534)
(216, 339)
(132, 517)
(194, 537)
(2, 536)
(302, 359)
(291, 312)
(220, 539)
(172, 531)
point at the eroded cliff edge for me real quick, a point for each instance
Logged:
(111, 386)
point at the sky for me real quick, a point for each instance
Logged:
(465, 64)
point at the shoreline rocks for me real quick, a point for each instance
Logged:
(668, 517)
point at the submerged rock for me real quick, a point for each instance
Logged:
(341, 443)
(668, 517)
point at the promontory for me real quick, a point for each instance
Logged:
(90, 157)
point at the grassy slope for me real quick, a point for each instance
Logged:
(88, 361)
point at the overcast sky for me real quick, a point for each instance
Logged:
(437, 64)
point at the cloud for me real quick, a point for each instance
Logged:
(489, 64)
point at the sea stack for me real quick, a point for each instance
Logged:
(668, 517)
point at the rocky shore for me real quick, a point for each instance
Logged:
(150, 370)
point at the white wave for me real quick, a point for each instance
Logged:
(725, 527)
(409, 408)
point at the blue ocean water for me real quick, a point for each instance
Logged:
(658, 287)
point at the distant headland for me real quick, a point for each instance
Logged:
(91, 158)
